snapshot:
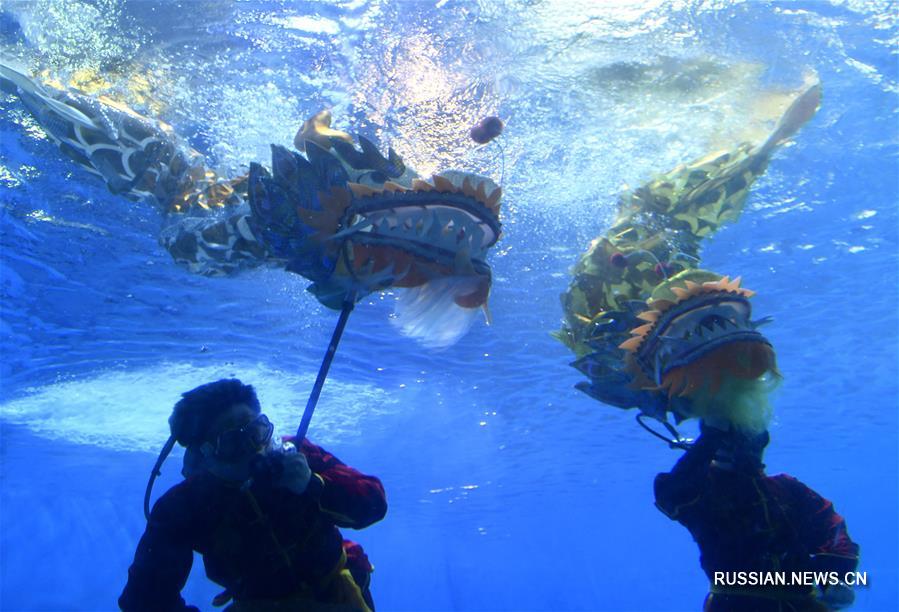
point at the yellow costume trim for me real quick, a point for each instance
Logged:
(318, 129)
(343, 593)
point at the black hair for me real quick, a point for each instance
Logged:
(198, 408)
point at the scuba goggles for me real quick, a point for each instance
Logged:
(236, 443)
(230, 445)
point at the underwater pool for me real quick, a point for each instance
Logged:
(508, 488)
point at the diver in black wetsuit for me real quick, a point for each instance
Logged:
(264, 516)
(653, 331)
(746, 521)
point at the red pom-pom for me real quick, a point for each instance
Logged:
(486, 129)
(663, 269)
(618, 260)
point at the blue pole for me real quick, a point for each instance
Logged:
(348, 305)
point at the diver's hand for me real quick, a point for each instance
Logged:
(295, 473)
(284, 468)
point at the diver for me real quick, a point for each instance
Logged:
(653, 331)
(746, 521)
(700, 354)
(350, 221)
(264, 516)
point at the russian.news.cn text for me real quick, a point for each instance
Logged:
(790, 579)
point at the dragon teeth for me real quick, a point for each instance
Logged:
(493, 201)
(442, 184)
(420, 185)
(394, 187)
(468, 189)
(481, 195)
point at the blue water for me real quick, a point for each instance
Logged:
(508, 489)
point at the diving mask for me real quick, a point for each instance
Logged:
(236, 443)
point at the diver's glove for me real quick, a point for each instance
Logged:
(285, 468)
(295, 474)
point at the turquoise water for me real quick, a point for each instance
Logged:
(508, 489)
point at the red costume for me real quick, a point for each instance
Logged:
(259, 542)
(746, 521)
